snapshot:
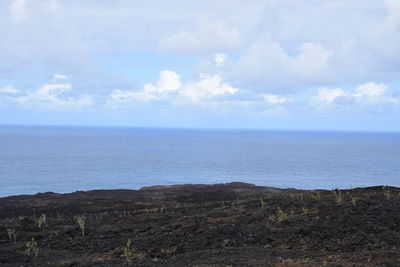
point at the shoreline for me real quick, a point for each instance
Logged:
(180, 189)
(192, 188)
(203, 225)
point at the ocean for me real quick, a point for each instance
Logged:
(65, 159)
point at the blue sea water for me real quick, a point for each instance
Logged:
(66, 159)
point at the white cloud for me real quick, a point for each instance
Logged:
(121, 95)
(281, 44)
(303, 44)
(207, 87)
(329, 95)
(268, 65)
(208, 39)
(60, 77)
(364, 94)
(219, 59)
(170, 88)
(270, 49)
(50, 96)
(168, 82)
(9, 90)
(374, 94)
(370, 89)
(312, 60)
(276, 99)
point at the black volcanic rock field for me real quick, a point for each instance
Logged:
(232, 224)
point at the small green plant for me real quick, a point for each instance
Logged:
(386, 192)
(263, 204)
(279, 216)
(316, 196)
(165, 251)
(81, 220)
(41, 221)
(32, 247)
(128, 253)
(12, 234)
(305, 210)
(354, 201)
(338, 196)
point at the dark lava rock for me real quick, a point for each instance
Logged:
(233, 224)
(9, 255)
(107, 228)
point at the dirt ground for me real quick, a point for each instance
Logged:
(232, 224)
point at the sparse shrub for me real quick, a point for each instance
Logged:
(353, 201)
(12, 234)
(32, 247)
(279, 216)
(282, 215)
(263, 204)
(386, 192)
(316, 196)
(338, 196)
(305, 210)
(41, 221)
(168, 251)
(81, 220)
(128, 253)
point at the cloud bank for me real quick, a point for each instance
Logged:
(260, 57)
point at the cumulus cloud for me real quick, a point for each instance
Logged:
(268, 64)
(50, 96)
(280, 44)
(303, 44)
(329, 95)
(374, 94)
(169, 87)
(206, 92)
(271, 50)
(9, 90)
(370, 89)
(168, 82)
(364, 94)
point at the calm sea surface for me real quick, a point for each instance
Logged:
(66, 159)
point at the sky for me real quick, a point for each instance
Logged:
(270, 64)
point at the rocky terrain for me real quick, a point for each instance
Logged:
(232, 224)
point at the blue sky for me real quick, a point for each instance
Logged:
(323, 65)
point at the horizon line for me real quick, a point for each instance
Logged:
(194, 128)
